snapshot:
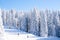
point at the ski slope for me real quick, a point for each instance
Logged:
(15, 34)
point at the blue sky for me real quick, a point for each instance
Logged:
(29, 4)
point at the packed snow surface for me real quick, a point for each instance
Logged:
(14, 34)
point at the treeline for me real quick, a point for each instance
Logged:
(41, 23)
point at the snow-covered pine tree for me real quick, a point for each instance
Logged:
(58, 26)
(55, 21)
(28, 18)
(7, 18)
(13, 17)
(34, 22)
(1, 26)
(4, 16)
(43, 24)
(22, 21)
(51, 27)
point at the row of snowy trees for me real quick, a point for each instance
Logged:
(42, 23)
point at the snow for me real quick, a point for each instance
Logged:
(16, 34)
(25, 36)
(9, 36)
(32, 26)
(12, 34)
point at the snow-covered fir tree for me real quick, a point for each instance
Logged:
(1, 26)
(43, 24)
